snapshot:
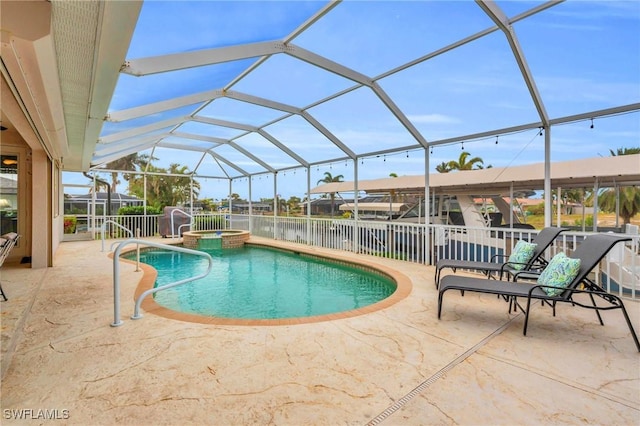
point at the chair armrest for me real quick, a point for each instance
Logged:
(527, 275)
(501, 256)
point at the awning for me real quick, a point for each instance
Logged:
(375, 207)
(608, 171)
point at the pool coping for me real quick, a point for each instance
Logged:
(402, 291)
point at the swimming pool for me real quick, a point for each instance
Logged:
(259, 283)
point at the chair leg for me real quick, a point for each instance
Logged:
(526, 316)
(633, 332)
(440, 295)
(2, 293)
(620, 305)
(597, 310)
(438, 273)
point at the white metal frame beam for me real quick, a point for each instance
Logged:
(126, 150)
(231, 164)
(213, 140)
(158, 107)
(337, 142)
(199, 58)
(495, 13)
(283, 147)
(131, 133)
(262, 51)
(146, 141)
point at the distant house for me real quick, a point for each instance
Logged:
(322, 206)
(81, 204)
(381, 207)
(242, 207)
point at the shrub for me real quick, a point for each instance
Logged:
(147, 224)
(588, 221)
(537, 209)
(138, 210)
(70, 224)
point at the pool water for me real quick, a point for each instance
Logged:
(262, 283)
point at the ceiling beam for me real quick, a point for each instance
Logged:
(386, 100)
(327, 64)
(337, 142)
(224, 123)
(495, 13)
(199, 58)
(158, 107)
(283, 147)
(217, 141)
(217, 158)
(137, 131)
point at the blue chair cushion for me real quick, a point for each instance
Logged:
(559, 273)
(521, 254)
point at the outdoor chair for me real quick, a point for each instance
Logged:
(590, 252)
(502, 263)
(7, 243)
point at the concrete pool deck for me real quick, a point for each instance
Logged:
(399, 365)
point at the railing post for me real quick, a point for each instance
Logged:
(138, 251)
(116, 287)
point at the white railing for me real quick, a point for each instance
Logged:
(204, 222)
(416, 243)
(116, 276)
(184, 225)
(116, 224)
(147, 224)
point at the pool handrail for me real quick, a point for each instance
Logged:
(116, 276)
(104, 226)
(184, 224)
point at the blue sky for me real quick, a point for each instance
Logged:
(584, 56)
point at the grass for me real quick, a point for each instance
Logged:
(604, 219)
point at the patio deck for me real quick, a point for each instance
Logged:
(400, 365)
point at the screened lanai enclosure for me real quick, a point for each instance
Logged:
(263, 98)
(268, 100)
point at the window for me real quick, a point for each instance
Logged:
(8, 193)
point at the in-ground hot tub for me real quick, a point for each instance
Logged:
(216, 238)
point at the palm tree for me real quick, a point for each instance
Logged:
(127, 163)
(164, 187)
(629, 196)
(443, 168)
(463, 163)
(328, 178)
(625, 151)
(629, 202)
(181, 187)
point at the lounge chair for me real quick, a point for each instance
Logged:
(500, 264)
(7, 243)
(590, 252)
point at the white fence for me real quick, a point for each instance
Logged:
(417, 243)
(145, 225)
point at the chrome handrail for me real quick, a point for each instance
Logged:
(184, 224)
(104, 226)
(116, 276)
